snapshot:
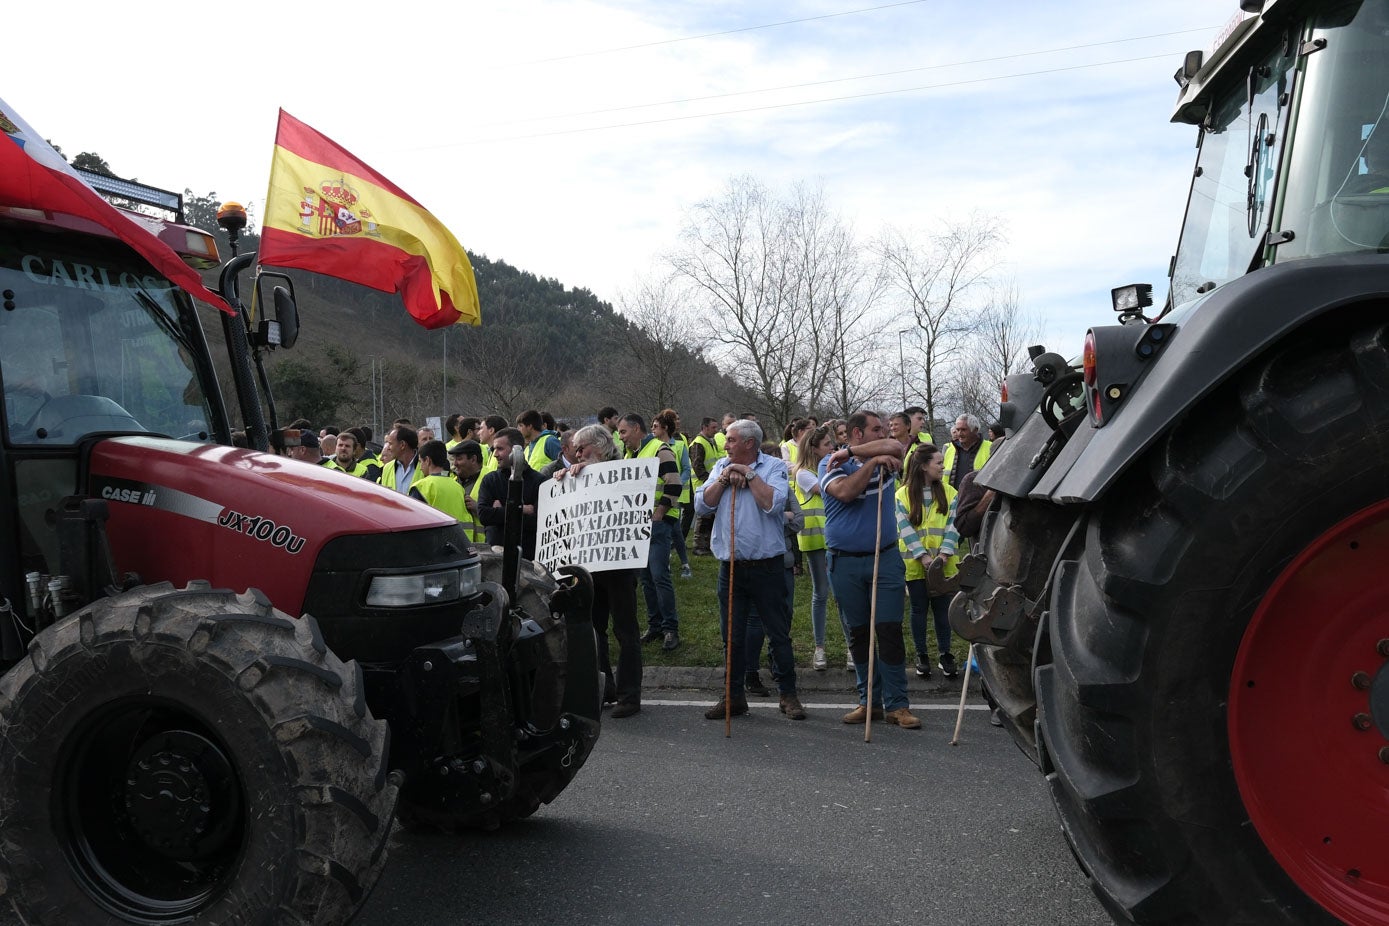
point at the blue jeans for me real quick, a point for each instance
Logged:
(819, 592)
(852, 579)
(677, 540)
(758, 583)
(939, 606)
(656, 584)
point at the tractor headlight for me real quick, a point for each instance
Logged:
(424, 588)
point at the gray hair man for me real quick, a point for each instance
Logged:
(746, 496)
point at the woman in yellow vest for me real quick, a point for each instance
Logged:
(926, 533)
(815, 443)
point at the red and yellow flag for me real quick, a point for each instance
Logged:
(328, 212)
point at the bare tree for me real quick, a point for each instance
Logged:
(936, 278)
(788, 295)
(734, 257)
(1006, 330)
(655, 337)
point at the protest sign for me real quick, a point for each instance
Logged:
(600, 519)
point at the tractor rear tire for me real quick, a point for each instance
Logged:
(189, 756)
(1213, 716)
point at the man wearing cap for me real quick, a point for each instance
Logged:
(465, 458)
(301, 444)
(436, 486)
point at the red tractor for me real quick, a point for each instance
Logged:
(225, 672)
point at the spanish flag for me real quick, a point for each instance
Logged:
(328, 212)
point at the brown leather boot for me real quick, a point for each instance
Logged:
(860, 714)
(791, 707)
(903, 718)
(717, 712)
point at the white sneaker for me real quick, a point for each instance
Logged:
(820, 663)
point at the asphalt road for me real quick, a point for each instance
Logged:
(784, 823)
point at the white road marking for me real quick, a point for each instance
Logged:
(837, 706)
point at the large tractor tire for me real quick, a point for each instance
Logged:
(1215, 716)
(189, 756)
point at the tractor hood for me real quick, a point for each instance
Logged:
(238, 518)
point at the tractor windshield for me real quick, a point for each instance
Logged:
(1227, 213)
(1337, 200)
(91, 341)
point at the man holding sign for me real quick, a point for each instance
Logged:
(757, 483)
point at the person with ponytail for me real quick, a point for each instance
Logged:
(926, 534)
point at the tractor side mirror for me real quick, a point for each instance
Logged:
(287, 316)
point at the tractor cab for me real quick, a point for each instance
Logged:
(92, 342)
(1294, 143)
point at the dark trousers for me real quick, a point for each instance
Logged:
(757, 635)
(760, 583)
(704, 530)
(615, 596)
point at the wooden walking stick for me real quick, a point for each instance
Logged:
(873, 617)
(728, 649)
(964, 690)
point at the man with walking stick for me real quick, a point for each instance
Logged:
(869, 582)
(751, 565)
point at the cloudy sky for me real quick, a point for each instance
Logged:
(569, 138)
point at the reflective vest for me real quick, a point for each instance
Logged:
(388, 474)
(789, 451)
(682, 458)
(358, 469)
(981, 456)
(443, 492)
(812, 536)
(536, 455)
(471, 527)
(932, 531)
(651, 447)
(489, 461)
(720, 438)
(712, 455)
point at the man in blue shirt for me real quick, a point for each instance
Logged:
(860, 527)
(758, 484)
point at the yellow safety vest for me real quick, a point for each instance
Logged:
(682, 453)
(721, 438)
(388, 474)
(357, 469)
(471, 527)
(932, 530)
(791, 451)
(980, 458)
(651, 447)
(443, 492)
(536, 458)
(712, 455)
(489, 461)
(812, 536)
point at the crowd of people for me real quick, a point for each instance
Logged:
(874, 512)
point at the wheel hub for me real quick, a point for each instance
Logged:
(168, 791)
